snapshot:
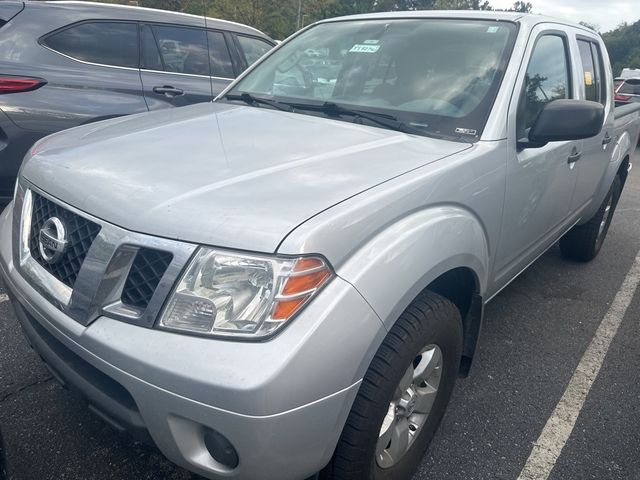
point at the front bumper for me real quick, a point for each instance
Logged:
(281, 403)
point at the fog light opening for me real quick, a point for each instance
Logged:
(220, 448)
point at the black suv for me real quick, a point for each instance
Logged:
(64, 64)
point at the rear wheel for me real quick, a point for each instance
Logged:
(403, 395)
(583, 242)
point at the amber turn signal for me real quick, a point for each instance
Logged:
(307, 276)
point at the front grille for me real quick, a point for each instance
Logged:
(147, 270)
(80, 236)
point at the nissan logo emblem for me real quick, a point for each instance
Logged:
(53, 240)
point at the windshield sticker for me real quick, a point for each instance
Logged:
(466, 131)
(361, 48)
(371, 42)
(493, 29)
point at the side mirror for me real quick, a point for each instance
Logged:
(562, 120)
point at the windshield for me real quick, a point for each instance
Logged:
(437, 76)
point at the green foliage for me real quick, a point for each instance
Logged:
(523, 7)
(623, 45)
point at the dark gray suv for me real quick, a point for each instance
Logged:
(64, 64)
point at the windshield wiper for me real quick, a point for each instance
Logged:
(249, 99)
(383, 119)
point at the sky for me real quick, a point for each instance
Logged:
(605, 14)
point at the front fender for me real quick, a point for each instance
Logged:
(393, 267)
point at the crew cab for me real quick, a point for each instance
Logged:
(289, 280)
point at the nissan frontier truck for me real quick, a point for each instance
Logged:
(290, 279)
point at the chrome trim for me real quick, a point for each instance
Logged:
(48, 242)
(101, 279)
(185, 74)
(46, 284)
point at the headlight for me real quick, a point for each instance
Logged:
(236, 295)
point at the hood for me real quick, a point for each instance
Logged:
(220, 174)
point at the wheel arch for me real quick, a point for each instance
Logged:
(443, 249)
(460, 285)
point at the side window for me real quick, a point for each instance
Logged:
(253, 48)
(106, 43)
(183, 50)
(602, 77)
(150, 54)
(219, 56)
(589, 73)
(547, 79)
(593, 72)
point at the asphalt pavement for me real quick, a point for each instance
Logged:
(534, 335)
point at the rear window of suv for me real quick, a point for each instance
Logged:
(630, 87)
(105, 43)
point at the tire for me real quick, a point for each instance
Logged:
(583, 242)
(431, 322)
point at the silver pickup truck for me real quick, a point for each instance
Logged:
(290, 279)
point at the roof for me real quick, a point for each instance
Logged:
(152, 14)
(528, 19)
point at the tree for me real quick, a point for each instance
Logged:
(523, 7)
(623, 45)
(462, 5)
(175, 5)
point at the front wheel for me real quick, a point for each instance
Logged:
(583, 242)
(403, 395)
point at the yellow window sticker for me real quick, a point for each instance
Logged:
(588, 79)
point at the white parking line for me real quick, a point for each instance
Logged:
(3, 297)
(556, 432)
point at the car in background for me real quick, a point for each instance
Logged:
(627, 90)
(64, 64)
(630, 73)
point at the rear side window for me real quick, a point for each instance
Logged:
(219, 56)
(253, 48)
(592, 72)
(547, 79)
(183, 50)
(106, 43)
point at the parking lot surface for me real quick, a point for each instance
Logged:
(534, 336)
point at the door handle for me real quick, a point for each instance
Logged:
(575, 156)
(168, 91)
(607, 139)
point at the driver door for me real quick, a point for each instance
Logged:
(540, 181)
